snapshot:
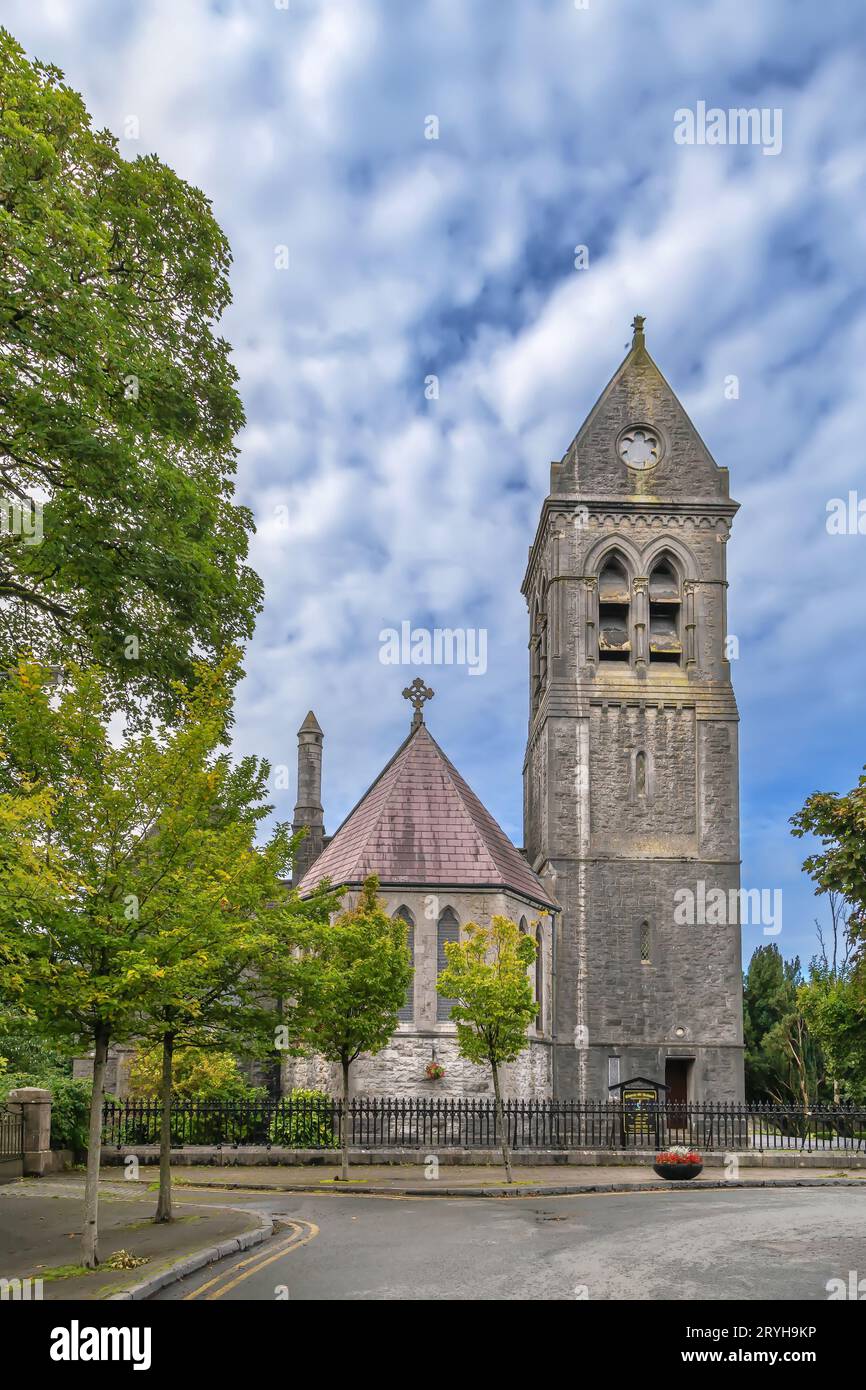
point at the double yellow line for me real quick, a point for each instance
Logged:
(300, 1233)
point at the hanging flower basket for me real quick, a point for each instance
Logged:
(434, 1071)
(678, 1163)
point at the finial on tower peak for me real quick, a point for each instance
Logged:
(637, 324)
(418, 693)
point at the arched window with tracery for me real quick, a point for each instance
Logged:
(539, 978)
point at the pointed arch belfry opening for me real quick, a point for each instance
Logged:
(614, 609)
(665, 610)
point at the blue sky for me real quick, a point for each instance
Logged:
(409, 256)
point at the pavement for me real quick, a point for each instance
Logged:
(428, 1178)
(679, 1244)
(376, 1237)
(40, 1231)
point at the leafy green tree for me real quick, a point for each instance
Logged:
(835, 1011)
(839, 823)
(200, 1073)
(783, 1063)
(119, 404)
(228, 936)
(487, 977)
(27, 1050)
(350, 984)
(834, 1001)
(144, 885)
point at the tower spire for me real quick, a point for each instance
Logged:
(308, 815)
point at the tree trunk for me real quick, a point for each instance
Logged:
(90, 1231)
(345, 1125)
(163, 1205)
(500, 1120)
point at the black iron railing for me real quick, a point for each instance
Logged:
(11, 1134)
(387, 1122)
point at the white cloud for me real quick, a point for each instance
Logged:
(454, 257)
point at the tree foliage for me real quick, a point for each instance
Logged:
(835, 1011)
(783, 1062)
(351, 981)
(487, 977)
(839, 866)
(200, 1073)
(152, 904)
(118, 404)
(350, 984)
(834, 1000)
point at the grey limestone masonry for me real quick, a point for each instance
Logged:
(399, 1070)
(309, 815)
(630, 780)
(631, 771)
(34, 1104)
(116, 1070)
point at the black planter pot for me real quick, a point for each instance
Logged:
(678, 1172)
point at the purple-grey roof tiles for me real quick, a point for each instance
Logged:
(421, 825)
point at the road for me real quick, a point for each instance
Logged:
(762, 1244)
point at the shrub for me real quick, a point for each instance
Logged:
(304, 1120)
(70, 1113)
(198, 1074)
(70, 1105)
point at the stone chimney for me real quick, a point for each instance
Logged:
(308, 808)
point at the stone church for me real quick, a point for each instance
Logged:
(630, 789)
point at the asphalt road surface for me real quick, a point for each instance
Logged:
(762, 1244)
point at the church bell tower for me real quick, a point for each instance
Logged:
(631, 770)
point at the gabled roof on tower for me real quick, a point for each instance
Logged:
(639, 396)
(421, 825)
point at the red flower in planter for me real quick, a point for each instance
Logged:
(434, 1071)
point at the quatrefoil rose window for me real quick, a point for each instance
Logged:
(640, 447)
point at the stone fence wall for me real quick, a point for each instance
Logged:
(34, 1105)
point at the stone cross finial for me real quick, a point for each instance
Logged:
(637, 324)
(418, 693)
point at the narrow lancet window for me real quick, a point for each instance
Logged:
(644, 943)
(448, 929)
(407, 1013)
(640, 784)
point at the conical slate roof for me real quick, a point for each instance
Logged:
(420, 825)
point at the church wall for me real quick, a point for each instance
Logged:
(631, 866)
(399, 1069)
(633, 1009)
